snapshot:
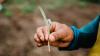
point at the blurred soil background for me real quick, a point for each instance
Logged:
(20, 18)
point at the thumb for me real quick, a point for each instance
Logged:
(55, 36)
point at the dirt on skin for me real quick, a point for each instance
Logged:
(17, 31)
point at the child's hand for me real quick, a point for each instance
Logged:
(61, 35)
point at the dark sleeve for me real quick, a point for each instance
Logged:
(84, 37)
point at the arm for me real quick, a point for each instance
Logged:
(84, 37)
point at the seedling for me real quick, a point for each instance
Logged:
(47, 23)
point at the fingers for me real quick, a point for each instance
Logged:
(46, 33)
(43, 32)
(41, 36)
(37, 40)
(64, 44)
(56, 35)
(52, 38)
(40, 33)
(52, 27)
(39, 44)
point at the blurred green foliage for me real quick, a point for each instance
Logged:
(28, 6)
(25, 6)
(8, 13)
(53, 4)
(28, 9)
(93, 1)
(19, 1)
(14, 1)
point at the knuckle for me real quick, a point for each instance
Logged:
(55, 34)
(45, 29)
(41, 38)
(34, 36)
(39, 30)
(54, 22)
(63, 24)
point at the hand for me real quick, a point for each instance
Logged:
(60, 35)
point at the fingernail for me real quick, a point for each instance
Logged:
(42, 38)
(51, 38)
(39, 45)
(46, 37)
